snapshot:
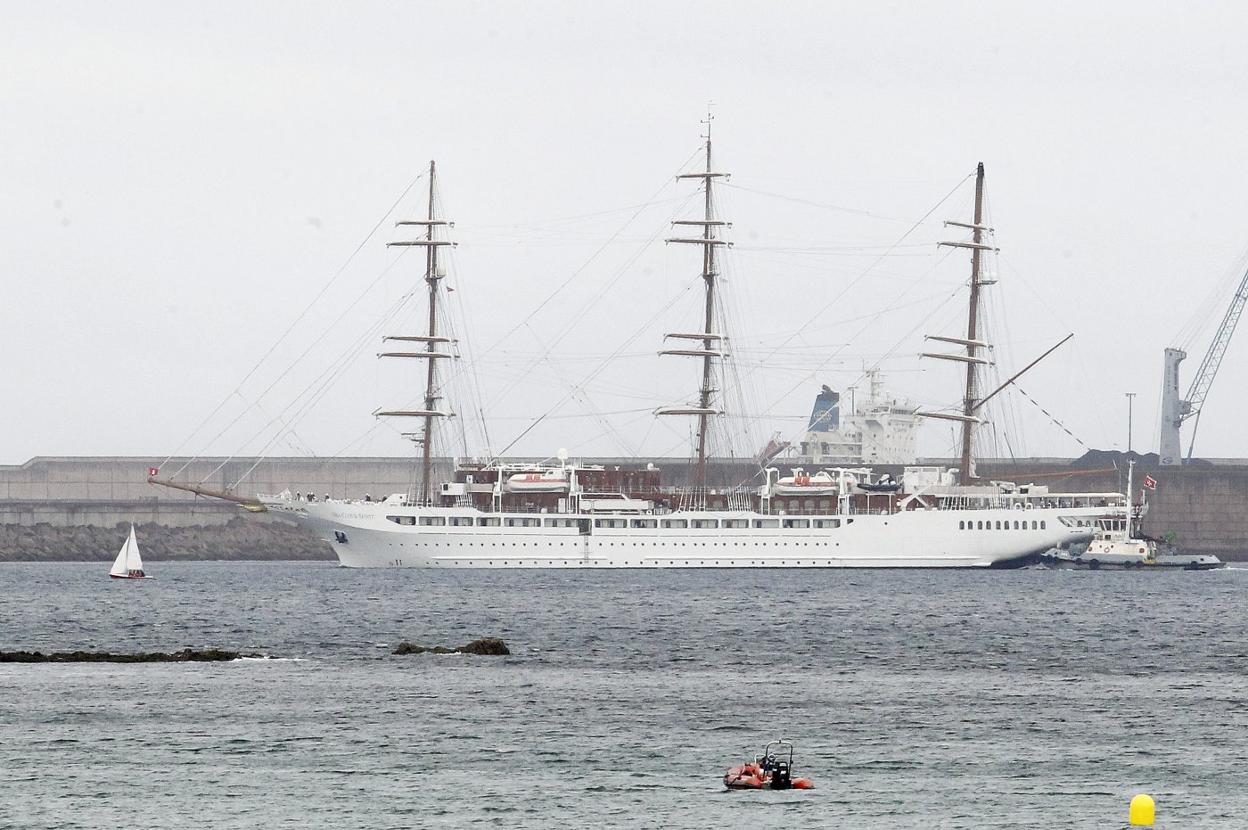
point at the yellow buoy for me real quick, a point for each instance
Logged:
(1142, 811)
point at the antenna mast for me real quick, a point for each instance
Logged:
(712, 342)
(432, 340)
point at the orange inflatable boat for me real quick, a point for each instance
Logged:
(773, 770)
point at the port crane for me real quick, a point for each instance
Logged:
(1176, 410)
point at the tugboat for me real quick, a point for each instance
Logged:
(773, 770)
(1119, 545)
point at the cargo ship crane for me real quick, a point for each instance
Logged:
(1176, 410)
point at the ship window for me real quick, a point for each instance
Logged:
(610, 523)
(735, 523)
(645, 523)
(432, 521)
(825, 505)
(797, 522)
(827, 523)
(523, 522)
(488, 521)
(1042, 524)
(675, 523)
(402, 520)
(981, 525)
(705, 523)
(961, 525)
(1016, 527)
(461, 521)
(766, 522)
(998, 525)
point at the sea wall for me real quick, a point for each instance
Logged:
(250, 537)
(46, 503)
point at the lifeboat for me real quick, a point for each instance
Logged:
(548, 481)
(773, 770)
(884, 485)
(804, 484)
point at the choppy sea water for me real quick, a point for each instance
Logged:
(925, 699)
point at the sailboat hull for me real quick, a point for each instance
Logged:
(115, 576)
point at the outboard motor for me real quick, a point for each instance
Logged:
(781, 776)
(768, 771)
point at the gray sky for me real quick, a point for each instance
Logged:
(179, 180)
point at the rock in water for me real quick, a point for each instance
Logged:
(491, 646)
(486, 645)
(409, 648)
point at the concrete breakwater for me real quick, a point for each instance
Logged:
(77, 507)
(239, 538)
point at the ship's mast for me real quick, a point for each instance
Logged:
(431, 281)
(708, 279)
(972, 342)
(431, 340)
(965, 463)
(712, 342)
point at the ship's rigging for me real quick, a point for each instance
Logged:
(436, 345)
(713, 344)
(972, 342)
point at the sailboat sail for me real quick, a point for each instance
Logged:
(128, 560)
(134, 562)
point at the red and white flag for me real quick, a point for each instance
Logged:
(1150, 482)
(153, 471)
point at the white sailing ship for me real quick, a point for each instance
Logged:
(129, 563)
(570, 515)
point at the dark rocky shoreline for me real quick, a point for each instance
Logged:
(186, 655)
(488, 646)
(241, 538)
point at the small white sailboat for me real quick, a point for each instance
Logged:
(128, 564)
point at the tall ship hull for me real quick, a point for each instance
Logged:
(374, 535)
